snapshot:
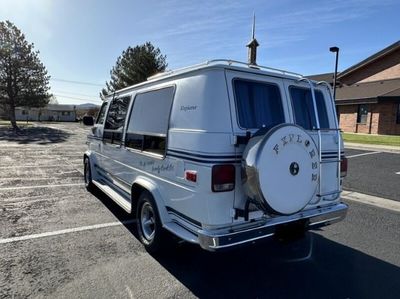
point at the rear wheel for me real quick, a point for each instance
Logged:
(149, 227)
(88, 174)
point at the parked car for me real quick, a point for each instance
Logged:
(220, 154)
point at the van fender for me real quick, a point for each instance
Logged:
(150, 186)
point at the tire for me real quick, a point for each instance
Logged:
(88, 174)
(149, 228)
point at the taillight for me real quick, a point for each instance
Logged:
(223, 178)
(343, 167)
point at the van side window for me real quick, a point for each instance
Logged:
(115, 120)
(102, 114)
(259, 105)
(304, 108)
(148, 122)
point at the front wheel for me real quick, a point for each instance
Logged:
(149, 227)
(88, 174)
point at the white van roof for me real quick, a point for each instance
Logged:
(217, 63)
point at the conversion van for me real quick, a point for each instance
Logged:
(220, 154)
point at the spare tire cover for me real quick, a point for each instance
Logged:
(281, 169)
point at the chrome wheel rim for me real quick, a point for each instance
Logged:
(147, 221)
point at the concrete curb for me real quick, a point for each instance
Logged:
(373, 147)
(372, 200)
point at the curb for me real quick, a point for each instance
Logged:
(372, 200)
(372, 147)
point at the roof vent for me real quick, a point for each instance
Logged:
(252, 45)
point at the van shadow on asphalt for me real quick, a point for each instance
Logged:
(312, 267)
(34, 135)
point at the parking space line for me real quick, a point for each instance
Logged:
(42, 186)
(28, 166)
(65, 231)
(363, 154)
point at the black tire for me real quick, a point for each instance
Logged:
(87, 174)
(151, 235)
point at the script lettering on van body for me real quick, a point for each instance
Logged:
(163, 168)
(188, 108)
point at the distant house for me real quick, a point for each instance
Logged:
(51, 112)
(368, 93)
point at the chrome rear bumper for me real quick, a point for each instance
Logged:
(219, 239)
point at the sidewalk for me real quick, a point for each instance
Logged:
(373, 147)
(371, 200)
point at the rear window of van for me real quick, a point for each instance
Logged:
(258, 104)
(304, 109)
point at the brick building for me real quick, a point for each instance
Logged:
(368, 94)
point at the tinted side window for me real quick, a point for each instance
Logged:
(148, 122)
(304, 108)
(115, 120)
(117, 113)
(258, 104)
(102, 114)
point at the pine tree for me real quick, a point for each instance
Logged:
(23, 78)
(135, 65)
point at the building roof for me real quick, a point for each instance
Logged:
(58, 107)
(327, 77)
(371, 91)
(393, 47)
(53, 107)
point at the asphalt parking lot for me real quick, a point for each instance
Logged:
(59, 241)
(374, 173)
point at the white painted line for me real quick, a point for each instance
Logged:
(372, 200)
(363, 154)
(398, 172)
(42, 186)
(28, 166)
(64, 231)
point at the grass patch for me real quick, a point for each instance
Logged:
(392, 140)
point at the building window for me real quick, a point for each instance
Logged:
(65, 113)
(24, 112)
(362, 114)
(398, 114)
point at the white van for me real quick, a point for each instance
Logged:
(220, 154)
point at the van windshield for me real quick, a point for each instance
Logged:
(258, 105)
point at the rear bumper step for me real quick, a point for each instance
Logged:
(214, 240)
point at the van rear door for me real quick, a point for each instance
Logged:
(257, 102)
(300, 97)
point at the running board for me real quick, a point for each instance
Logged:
(114, 195)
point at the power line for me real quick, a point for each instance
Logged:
(76, 82)
(77, 94)
(77, 99)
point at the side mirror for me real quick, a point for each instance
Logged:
(88, 120)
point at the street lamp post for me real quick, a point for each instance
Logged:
(335, 50)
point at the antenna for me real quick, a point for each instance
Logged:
(253, 32)
(252, 45)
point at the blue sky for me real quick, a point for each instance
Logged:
(80, 40)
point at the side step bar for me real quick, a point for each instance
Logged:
(121, 200)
